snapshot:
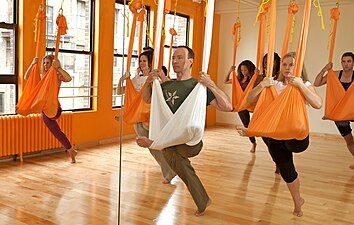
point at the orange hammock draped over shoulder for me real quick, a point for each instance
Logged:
(41, 95)
(339, 103)
(285, 117)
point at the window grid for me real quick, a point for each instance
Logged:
(8, 57)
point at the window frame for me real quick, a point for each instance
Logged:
(12, 78)
(187, 27)
(187, 32)
(90, 53)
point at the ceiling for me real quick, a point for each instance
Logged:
(231, 5)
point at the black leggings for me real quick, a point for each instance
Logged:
(281, 152)
(245, 118)
(343, 127)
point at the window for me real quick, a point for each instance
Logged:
(120, 54)
(8, 63)
(181, 25)
(75, 51)
(50, 25)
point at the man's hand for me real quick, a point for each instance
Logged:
(205, 80)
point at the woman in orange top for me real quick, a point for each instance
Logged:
(51, 123)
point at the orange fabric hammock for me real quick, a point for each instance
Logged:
(239, 97)
(134, 6)
(339, 103)
(285, 117)
(293, 8)
(43, 97)
(135, 109)
(141, 18)
(23, 105)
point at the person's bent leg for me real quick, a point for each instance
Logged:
(177, 158)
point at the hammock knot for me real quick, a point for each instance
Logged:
(293, 8)
(335, 14)
(173, 32)
(135, 5)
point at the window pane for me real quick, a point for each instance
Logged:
(78, 19)
(79, 68)
(180, 27)
(118, 31)
(117, 74)
(6, 11)
(7, 52)
(7, 98)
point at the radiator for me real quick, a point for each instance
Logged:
(20, 135)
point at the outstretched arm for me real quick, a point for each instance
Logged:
(321, 77)
(28, 71)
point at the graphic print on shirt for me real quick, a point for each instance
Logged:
(171, 97)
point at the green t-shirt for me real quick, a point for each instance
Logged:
(176, 91)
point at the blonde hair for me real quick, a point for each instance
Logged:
(303, 76)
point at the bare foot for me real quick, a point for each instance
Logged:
(297, 211)
(72, 153)
(241, 130)
(197, 213)
(351, 167)
(253, 149)
(144, 142)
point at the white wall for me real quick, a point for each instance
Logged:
(316, 53)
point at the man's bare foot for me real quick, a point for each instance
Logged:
(253, 149)
(197, 213)
(144, 142)
(72, 153)
(351, 167)
(297, 211)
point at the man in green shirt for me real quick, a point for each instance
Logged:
(175, 92)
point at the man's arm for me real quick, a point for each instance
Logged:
(221, 101)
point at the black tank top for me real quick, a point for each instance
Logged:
(345, 85)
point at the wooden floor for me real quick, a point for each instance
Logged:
(243, 186)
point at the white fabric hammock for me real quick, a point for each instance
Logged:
(186, 125)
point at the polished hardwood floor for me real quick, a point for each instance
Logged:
(243, 186)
